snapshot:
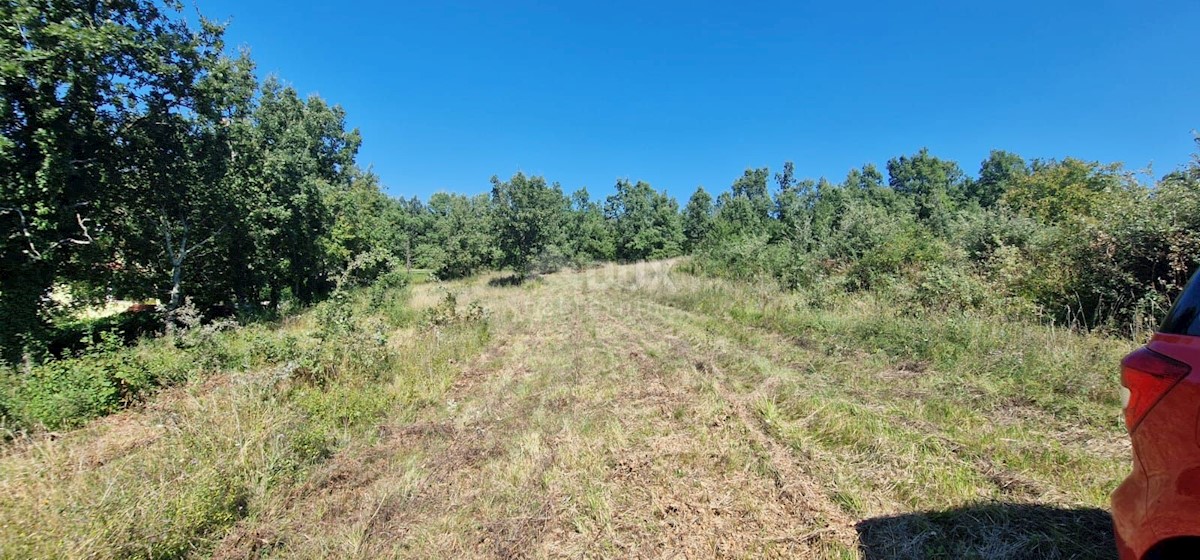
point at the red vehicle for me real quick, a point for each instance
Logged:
(1156, 510)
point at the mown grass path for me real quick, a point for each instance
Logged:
(609, 418)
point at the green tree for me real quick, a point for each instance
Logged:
(646, 222)
(793, 206)
(589, 236)
(867, 184)
(528, 217)
(793, 210)
(828, 206)
(460, 237)
(367, 232)
(753, 186)
(932, 184)
(1071, 189)
(305, 151)
(996, 174)
(697, 219)
(180, 165)
(189, 213)
(75, 77)
(415, 224)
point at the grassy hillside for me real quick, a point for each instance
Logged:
(259, 410)
(619, 411)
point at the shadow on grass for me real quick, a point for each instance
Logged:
(990, 530)
(513, 280)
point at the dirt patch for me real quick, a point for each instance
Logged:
(126, 434)
(907, 369)
(247, 542)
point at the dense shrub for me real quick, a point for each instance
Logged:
(752, 257)
(65, 393)
(862, 228)
(1075, 242)
(981, 233)
(901, 256)
(951, 287)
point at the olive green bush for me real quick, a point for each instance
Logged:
(1078, 243)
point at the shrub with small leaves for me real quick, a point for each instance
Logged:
(66, 393)
(447, 313)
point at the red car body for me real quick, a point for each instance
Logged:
(1156, 510)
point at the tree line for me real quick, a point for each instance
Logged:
(1082, 243)
(140, 159)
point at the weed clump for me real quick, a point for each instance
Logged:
(447, 313)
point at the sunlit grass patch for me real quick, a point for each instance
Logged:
(263, 406)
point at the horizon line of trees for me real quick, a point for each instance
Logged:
(1083, 242)
(139, 159)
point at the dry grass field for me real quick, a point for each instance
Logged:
(620, 412)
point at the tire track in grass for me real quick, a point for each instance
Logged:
(1004, 480)
(818, 525)
(997, 532)
(368, 498)
(596, 423)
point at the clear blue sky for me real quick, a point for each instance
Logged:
(686, 93)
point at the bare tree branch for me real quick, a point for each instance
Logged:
(87, 236)
(28, 235)
(206, 240)
(32, 251)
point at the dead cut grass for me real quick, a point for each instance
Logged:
(916, 424)
(173, 477)
(621, 411)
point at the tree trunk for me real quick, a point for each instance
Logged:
(176, 284)
(177, 255)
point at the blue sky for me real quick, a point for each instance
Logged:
(680, 94)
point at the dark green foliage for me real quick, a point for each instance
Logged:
(752, 186)
(793, 206)
(79, 81)
(933, 185)
(997, 174)
(754, 257)
(460, 240)
(588, 236)
(75, 336)
(139, 160)
(697, 218)
(647, 223)
(905, 253)
(528, 217)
